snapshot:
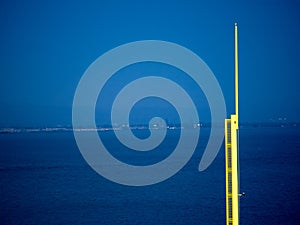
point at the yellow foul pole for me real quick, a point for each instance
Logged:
(236, 63)
(231, 152)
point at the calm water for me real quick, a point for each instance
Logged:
(44, 180)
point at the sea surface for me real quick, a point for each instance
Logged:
(45, 180)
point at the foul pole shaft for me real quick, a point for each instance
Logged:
(236, 71)
(234, 135)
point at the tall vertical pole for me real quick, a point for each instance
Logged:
(231, 152)
(236, 63)
(234, 135)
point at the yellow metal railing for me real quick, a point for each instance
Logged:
(232, 195)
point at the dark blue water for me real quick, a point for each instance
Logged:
(44, 180)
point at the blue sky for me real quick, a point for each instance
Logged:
(47, 45)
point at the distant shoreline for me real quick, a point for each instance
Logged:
(102, 128)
